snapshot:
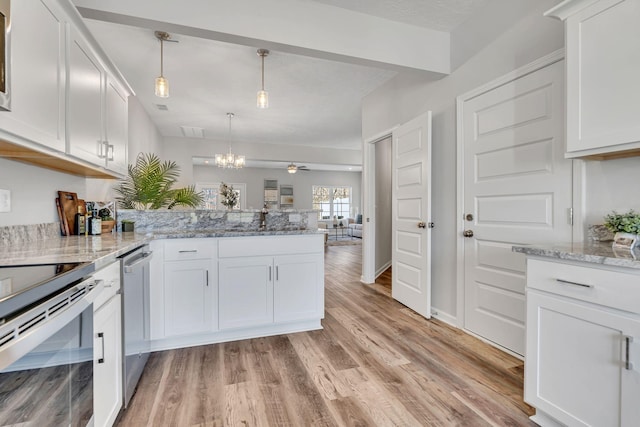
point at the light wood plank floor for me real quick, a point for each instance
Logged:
(375, 363)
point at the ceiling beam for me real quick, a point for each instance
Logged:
(304, 28)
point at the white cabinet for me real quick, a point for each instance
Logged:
(85, 102)
(116, 126)
(184, 289)
(107, 364)
(267, 285)
(602, 68)
(38, 73)
(98, 110)
(69, 104)
(188, 297)
(245, 291)
(298, 289)
(582, 354)
(207, 290)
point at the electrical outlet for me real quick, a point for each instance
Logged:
(5, 201)
(6, 286)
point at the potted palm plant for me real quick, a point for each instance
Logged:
(626, 227)
(149, 185)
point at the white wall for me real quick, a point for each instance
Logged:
(302, 182)
(611, 185)
(182, 151)
(405, 97)
(34, 191)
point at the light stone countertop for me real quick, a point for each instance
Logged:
(100, 249)
(590, 252)
(104, 248)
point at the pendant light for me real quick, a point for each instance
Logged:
(229, 160)
(263, 95)
(162, 84)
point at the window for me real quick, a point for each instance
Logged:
(332, 201)
(211, 193)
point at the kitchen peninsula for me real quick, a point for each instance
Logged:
(583, 313)
(219, 276)
(215, 275)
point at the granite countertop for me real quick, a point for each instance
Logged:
(104, 248)
(181, 234)
(590, 252)
(99, 249)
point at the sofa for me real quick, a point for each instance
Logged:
(355, 227)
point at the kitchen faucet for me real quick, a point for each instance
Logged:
(263, 217)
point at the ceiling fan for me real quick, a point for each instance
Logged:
(292, 168)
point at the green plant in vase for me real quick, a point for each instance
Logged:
(626, 226)
(149, 185)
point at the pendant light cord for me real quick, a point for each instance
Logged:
(161, 58)
(262, 71)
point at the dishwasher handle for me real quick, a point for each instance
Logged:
(129, 267)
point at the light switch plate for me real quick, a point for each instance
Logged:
(5, 201)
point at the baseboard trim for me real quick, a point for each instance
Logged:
(382, 269)
(444, 316)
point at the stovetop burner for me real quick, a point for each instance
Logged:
(23, 285)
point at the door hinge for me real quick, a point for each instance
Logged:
(570, 216)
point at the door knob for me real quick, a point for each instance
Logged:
(422, 224)
(467, 233)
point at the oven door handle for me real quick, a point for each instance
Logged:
(129, 267)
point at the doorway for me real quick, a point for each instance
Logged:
(411, 213)
(382, 212)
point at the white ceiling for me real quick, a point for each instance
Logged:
(315, 102)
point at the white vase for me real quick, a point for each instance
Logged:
(624, 240)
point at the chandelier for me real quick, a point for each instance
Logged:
(229, 160)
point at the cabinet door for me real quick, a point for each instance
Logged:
(603, 95)
(298, 287)
(84, 121)
(576, 356)
(38, 73)
(107, 364)
(116, 127)
(188, 297)
(245, 291)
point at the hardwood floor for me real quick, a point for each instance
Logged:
(375, 363)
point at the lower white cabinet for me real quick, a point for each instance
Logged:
(582, 358)
(298, 288)
(245, 291)
(188, 297)
(262, 290)
(107, 363)
(206, 290)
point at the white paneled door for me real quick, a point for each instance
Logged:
(411, 211)
(517, 190)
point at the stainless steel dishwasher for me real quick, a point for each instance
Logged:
(135, 317)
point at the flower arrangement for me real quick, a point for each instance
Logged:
(623, 223)
(229, 196)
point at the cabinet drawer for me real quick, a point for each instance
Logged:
(271, 245)
(613, 289)
(187, 249)
(111, 277)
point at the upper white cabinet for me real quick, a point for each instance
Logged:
(84, 119)
(602, 68)
(98, 110)
(116, 126)
(37, 66)
(69, 104)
